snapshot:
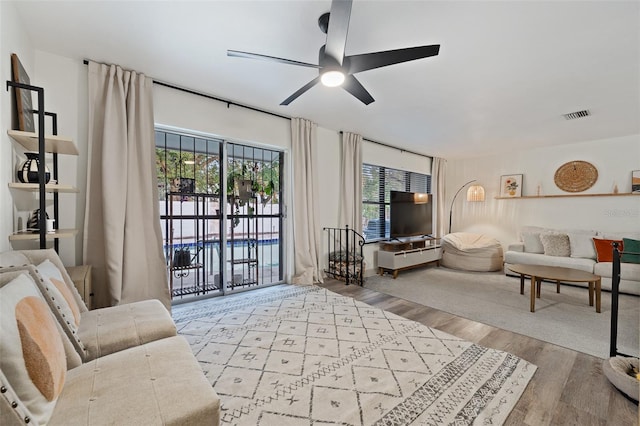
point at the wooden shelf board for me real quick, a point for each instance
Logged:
(34, 187)
(52, 143)
(620, 194)
(29, 236)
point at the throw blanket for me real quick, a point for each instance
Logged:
(290, 355)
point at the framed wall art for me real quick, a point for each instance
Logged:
(511, 186)
(635, 181)
(23, 97)
(576, 176)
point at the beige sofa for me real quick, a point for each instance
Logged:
(120, 365)
(582, 255)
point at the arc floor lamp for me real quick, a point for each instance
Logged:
(474, 193)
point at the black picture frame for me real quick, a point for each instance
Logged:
(24, 102)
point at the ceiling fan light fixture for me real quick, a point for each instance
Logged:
(335, 67)
(332, 78)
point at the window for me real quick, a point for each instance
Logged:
(205, 254)
(377, 181)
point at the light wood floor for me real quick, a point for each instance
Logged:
(567, 389)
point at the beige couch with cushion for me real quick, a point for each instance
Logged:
(98, 332)
(43, 379)
(574, 249)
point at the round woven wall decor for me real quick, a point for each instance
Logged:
(576, 176)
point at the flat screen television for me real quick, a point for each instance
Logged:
(411, 214)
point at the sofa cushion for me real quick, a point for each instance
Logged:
(631, 252)
(628, 271)
(513, 257)
(555, 244)
(13, 258)
(604, 249)
(157, 383)
(32, 356)
(107, 330)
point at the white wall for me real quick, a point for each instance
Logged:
(614, 159)
(65, 83)
(380, 155)
(14, 40)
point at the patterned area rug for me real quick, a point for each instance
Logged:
(289, 355)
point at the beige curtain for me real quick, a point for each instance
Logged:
(122, 235)
(305, 195)
(351, 182)
(438, 169)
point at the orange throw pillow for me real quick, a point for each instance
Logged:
(604, 249)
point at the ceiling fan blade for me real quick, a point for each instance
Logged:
(338, 28)
(248, 55)
(369, 61)
(353, 86)
(301, 90)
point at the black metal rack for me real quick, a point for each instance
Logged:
(42, 223)
(345, 259)
(198, 283)
(248, 264)
(196, 277)
(42, 191)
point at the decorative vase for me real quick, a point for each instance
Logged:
(33, 223)
(28, 172)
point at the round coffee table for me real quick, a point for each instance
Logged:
(556, 273)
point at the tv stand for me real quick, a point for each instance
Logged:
(398, 256)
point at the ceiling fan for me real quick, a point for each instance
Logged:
(336, 69)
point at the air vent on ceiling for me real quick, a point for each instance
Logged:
(577, 114)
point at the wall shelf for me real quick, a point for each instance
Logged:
(43, 144)
(620, 194)
(34, 187)
(52, 143)
(30, 236)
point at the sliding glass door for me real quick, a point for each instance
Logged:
(220, 207)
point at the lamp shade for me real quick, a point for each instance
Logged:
(475, 193)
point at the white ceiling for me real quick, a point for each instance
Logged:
(506, 72)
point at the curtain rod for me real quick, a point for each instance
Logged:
(193, 92)
(395, 147)
(204, 95)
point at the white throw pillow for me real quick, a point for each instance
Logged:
(61, 294)
(32, 356)
(532, 243)
(556, 244)
(582, 245)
